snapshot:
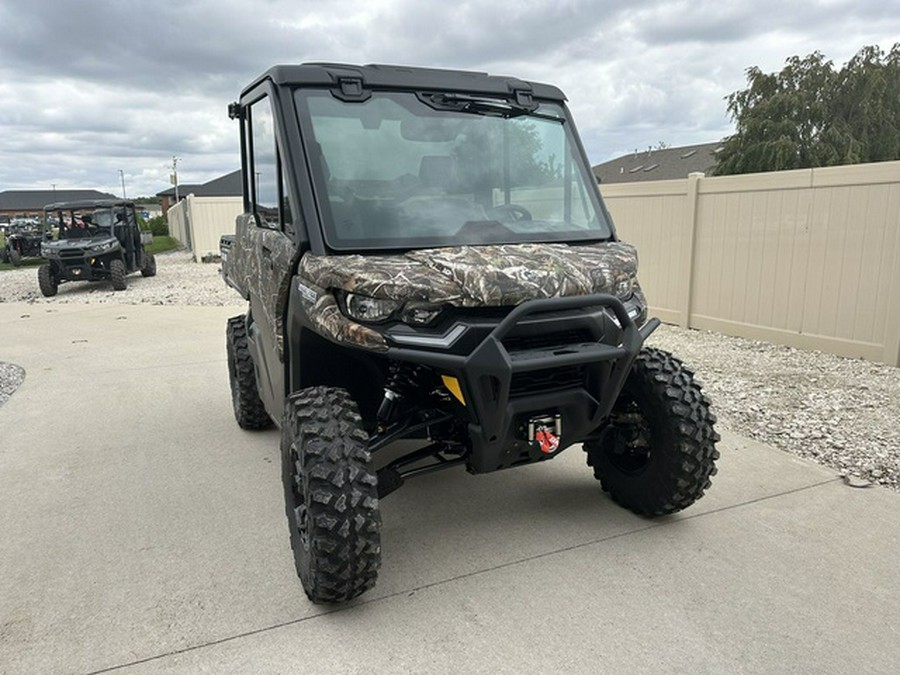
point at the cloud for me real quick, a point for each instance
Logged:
(88, 89)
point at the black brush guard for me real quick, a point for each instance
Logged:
(497, 419)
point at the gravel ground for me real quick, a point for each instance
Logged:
(839, 412)
(179, 281)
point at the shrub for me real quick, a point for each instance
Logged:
(158, 225)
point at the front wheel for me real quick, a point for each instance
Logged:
(47, 281)
(659, 450)
(117, 275)
(331, 495)
(15, 257)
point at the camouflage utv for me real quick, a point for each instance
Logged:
(426, 256)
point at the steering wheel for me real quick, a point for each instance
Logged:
(509, 213)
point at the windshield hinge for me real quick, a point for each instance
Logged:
(525, 99)
(235, 111)
(351, 89)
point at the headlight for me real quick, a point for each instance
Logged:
(100, 248)
(364, 308)
(624, 288)
(420, 315)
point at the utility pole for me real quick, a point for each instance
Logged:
(122, 176)
(175, 175)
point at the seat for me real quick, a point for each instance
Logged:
(437, 171)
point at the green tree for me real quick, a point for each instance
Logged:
(810, 115)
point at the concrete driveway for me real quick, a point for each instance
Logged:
(142, 531)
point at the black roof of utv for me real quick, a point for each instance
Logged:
(376, 76)
(88, 204)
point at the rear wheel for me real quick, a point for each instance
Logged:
(659, 451)
(47, 281)
(149, 268)
(331, 495)
(248, 407)
(15, 257)
(117, 275)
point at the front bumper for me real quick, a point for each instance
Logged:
(78, 266)
(526, 367)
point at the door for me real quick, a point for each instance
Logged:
(274, 250)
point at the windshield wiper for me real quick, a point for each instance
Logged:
(485, 106)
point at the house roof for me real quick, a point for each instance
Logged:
(665, 164)
(183, 189)
(36, 200)
(229, 185)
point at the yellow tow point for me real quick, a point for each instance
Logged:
(453, 387)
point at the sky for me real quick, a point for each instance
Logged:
(94, 91)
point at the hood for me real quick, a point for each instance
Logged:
(478, 276)
(83, 242)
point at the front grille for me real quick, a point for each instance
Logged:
(518, 343)
(71, 253)
(544, 381)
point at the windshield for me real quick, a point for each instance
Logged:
(86, 222)
(407, 171)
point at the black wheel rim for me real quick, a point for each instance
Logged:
(630, 447)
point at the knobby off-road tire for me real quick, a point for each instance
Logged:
(47, 281)
(4, 255)
(660, 452)
(15, 258)
(149, 268)
(249, 410)
(117, 275)
(330, 493)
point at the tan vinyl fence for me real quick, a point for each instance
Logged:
(177, 217)
(807, 258)
(198, 222)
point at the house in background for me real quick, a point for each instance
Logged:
(149, 211)
(31, 203)
(229, 185)
(665, 164)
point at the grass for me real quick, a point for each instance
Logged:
(159, 245)
(27, 262)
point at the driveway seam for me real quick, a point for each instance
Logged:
(441, 582)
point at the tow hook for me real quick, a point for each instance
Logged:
(546, 432)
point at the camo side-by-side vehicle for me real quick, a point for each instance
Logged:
(426, 256)
(96, 240)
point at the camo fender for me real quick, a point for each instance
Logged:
(325, 315)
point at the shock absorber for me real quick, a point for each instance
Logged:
(404, 381)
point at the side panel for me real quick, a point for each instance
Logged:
(260, 265)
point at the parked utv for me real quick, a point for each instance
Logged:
(97, 240)
(426, 256)
(23, 240)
